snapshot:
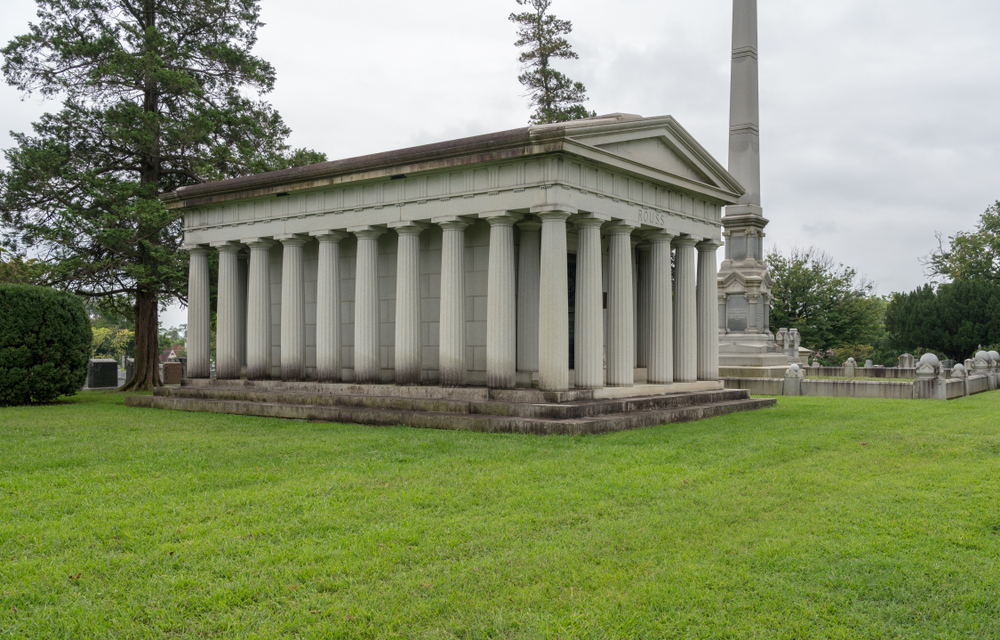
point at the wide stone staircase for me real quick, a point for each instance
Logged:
(473, 409)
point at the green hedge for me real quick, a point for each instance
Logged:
(44, 344)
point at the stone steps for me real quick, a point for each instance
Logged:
(474, 409)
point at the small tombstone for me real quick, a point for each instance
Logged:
(906, 361)
(947, 364)
(850, 367)
(793, 380)
(995, 357)
(958, 372)
(172, 372)
(129, 367)
(869, 364)
(982, 361)
(102, 374)
(928, 385)
(929, 366)
(968, 364)
(816, 364)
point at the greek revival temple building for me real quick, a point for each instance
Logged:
(579, 255)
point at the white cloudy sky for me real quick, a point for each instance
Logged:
(878, 117)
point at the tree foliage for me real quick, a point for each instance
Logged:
(44, 344)
(156, 95)
(956, 319)
(971, 255)
(832, 307)
(555, 97)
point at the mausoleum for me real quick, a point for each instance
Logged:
(534, 257)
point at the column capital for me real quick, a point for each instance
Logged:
(366, 231)
(197, 249)
(587, 223)
(554, 208)
(257, 243)
(292, 239)
(409, 227)
(329, 235)
(529, 225)
(547, 216)
(500, 218)
(659, 235)
(451, 222)
(227, 247)
(684, 241)
(620, 229)
(708, 244)
(643, 246)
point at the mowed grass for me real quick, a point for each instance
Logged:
(820, 518)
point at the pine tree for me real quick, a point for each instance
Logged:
(157, 94)
(555, 97)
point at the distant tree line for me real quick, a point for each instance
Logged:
(839, 314)
(960, 316)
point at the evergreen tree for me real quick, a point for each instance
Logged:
(555, 97)
(957, 319)
(828, 303)
(157, 94)
(970, 255)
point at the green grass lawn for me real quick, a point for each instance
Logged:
(820, 518)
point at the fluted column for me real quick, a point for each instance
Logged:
(553, 304)
(452, 327)
(528, 266)
(243, 264)
(644, 323)
(366, 321)
(501, 316)
(589, 330)
(661, 338)
(685, 312)
(328, 306)
(227, 320)
(199, 315)
(708, 310)
(259, 311)
(621, 309)
(407, 349)
(293, 310)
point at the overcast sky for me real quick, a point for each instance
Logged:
(879, 118)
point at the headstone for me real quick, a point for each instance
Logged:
(906, 361)
(102, 374)
(172, 372)
(958, 372)
(947, 364)
(129, 368)
(928, 386)
(796, 338)
(816, 364)
(793, 380)
(850, 367)
(869, 364)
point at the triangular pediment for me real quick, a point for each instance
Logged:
(656, 153)
(657, 145)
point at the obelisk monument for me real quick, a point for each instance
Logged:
(745, 338)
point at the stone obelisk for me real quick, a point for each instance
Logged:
(745, 338)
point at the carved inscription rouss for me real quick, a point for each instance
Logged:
(652, 218)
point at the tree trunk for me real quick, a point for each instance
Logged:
(146, 373)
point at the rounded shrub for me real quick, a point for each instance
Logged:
(44, 344)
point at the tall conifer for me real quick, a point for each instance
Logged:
(555, 97)
(156, 95)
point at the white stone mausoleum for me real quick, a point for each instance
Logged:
(537, 256)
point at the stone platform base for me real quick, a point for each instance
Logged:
(474, 409)
(754, 372)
